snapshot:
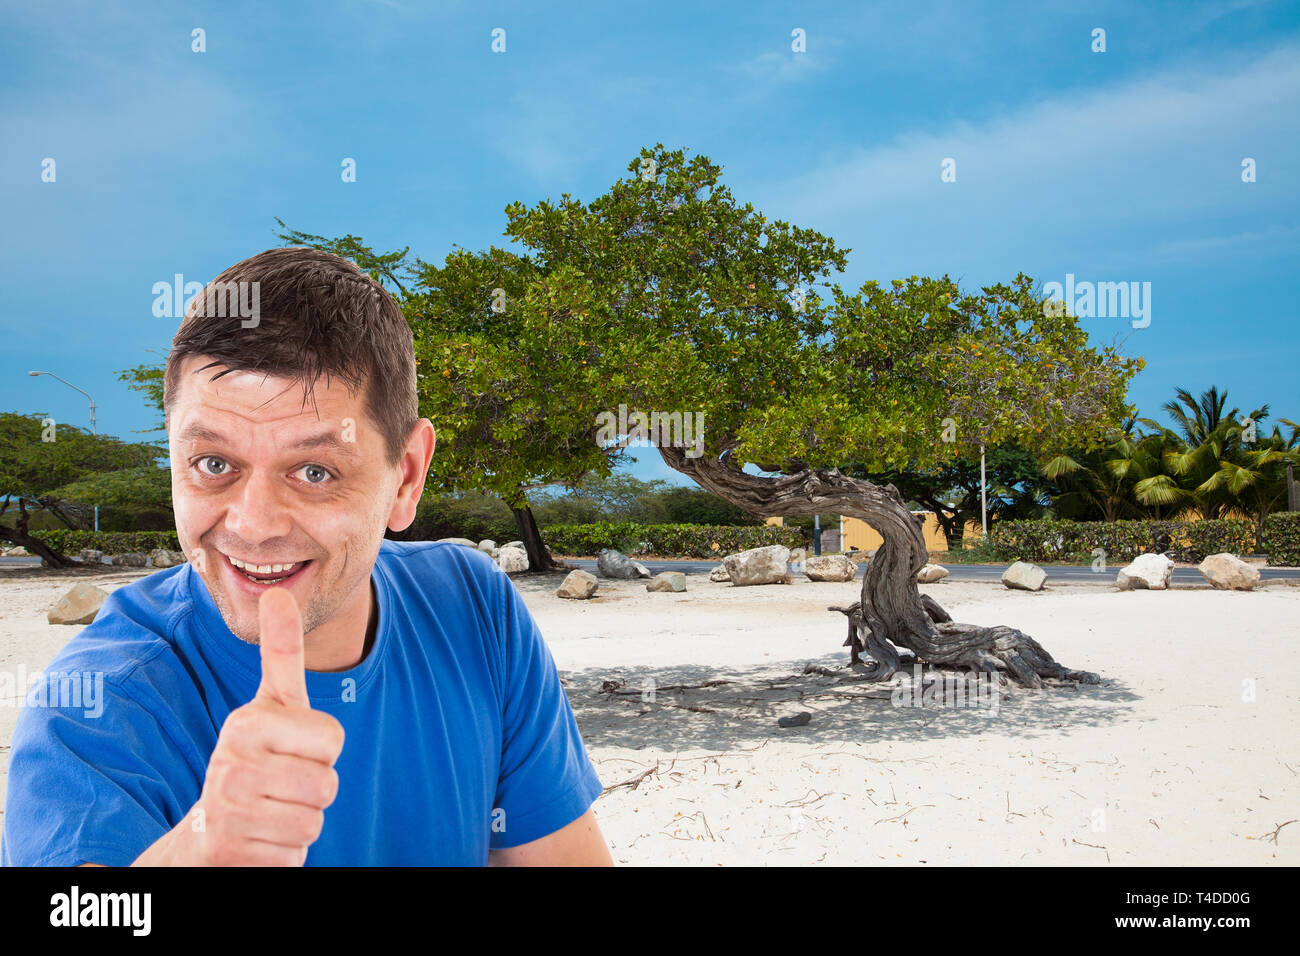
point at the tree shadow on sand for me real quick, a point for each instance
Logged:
(700, 707)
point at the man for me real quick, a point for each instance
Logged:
(304, 691)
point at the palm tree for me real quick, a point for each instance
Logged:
(1256, 478)
(1208, 437)
(1103, 478)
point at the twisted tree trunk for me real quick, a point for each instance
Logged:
(892, 612)
(539, 556)
(21, 535)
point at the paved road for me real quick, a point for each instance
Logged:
(957, 572)
(977, 572)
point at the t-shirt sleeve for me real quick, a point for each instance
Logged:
(547, 780)
(80, 788)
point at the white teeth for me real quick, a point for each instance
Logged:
(261, 568)
(263, 580)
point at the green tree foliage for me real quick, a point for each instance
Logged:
(148, 380)
(60, 478)
(664, 293)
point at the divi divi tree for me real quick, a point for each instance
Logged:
(667, 296)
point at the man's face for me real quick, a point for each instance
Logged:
(278, 493)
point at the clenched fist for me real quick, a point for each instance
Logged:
(271, 774)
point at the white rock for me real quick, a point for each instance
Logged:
(1023, 576)
(667, 581)
(464, 542)
(487, 545)
(511, 560)
(829, 567)
(1228, 572)
(719, 574)
(933, 572)
(79, 605)
(767, 565)
(616, 564)
(578, 586)
(1151, 572)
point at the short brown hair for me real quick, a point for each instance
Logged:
(318, 314)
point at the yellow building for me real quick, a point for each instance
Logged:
(855, 532)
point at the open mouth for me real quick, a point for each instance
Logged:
(266, 574)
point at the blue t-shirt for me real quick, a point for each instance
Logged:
(459, 737)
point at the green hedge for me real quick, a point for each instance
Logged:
(682, 540)
(1122, 541)
(71, 542)
(1282, 538)
(1203, 538)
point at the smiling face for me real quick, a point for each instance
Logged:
(278, 492)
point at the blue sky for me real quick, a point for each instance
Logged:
(1115, 166)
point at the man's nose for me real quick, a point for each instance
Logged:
(259, 510)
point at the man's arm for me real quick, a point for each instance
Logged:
(579, 844)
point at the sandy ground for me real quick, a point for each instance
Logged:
(1188, 753)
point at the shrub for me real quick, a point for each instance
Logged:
(69, 542)
(1122, 541)
(684, 540)
(471, 516)
(1282, 538)
(1200, 539)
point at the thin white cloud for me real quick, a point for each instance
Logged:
(1106, 165)
(1192, 248)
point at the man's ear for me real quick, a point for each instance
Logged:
(414, 467)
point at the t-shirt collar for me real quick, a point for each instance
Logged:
(322, 687)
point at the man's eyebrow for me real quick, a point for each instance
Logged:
(324, 440)
(199, 433)
(329, 440)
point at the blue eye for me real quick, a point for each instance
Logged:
(217, 465)
(315, 474)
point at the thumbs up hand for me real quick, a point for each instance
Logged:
(271, 774)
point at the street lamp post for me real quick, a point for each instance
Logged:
(93, 427)
(984, 499)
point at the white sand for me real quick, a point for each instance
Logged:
(1164, 763)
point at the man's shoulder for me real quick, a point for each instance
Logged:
(418, 562)
(134, 628)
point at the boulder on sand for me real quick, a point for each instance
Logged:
(719, 574)
(616, 564)
(578, 586)
(931, 573)
(1023, 576)
(829, 567)
(465, 542)
(667, 581)
(768, 565)
(511, 560)
(78, 606)
(1151, 572)
(1227, 572)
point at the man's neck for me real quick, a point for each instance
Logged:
(340, 650)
